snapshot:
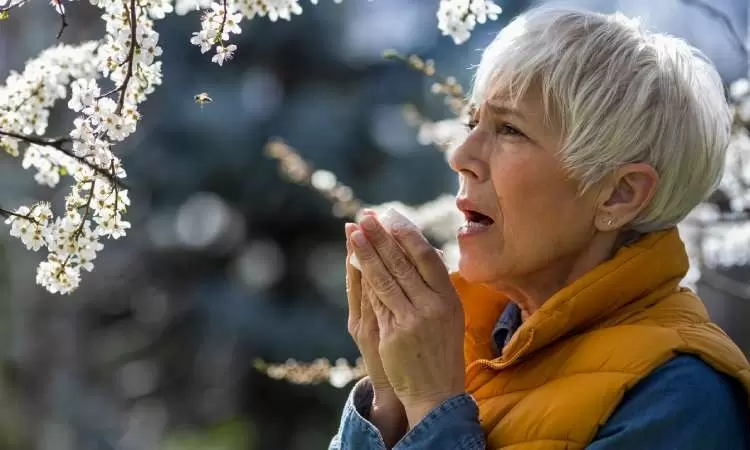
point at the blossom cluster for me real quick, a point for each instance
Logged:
(28, 96)
(126, 56)
(338, 375)
(457, 18)
(216, 27)
(96, 203)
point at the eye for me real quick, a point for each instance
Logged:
(508, 130)
(471, 124)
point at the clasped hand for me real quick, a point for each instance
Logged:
(405, 316)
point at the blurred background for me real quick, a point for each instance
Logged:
(228, 262)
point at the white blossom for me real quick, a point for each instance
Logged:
(84, 93)
(49, 163)
(457, 18)
(26, 98)
(223, 53)
(182, 7)
(110, 79)
(341, 374)
(217, 26)
(30, 225)
(96, 205)
(273, 9)
(445, 134)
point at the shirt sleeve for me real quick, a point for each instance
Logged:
(355, 431)
(454, 425)
(684, 405)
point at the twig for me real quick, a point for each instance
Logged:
(219, 35)
(77, 233)
(130, 60)
(63, 24)
(299, 171)
(448, 87)
(7, 213)
(58, 144)
(39, 140)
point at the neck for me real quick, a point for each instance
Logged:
(532, 290)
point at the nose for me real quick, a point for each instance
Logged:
(467, 159)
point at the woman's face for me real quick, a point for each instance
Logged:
(532, 219)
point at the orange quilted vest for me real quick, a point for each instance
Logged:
(568, 366)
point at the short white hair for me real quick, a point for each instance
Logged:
(621, 95)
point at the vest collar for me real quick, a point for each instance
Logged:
(642, 271)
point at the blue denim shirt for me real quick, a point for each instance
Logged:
(684, 405)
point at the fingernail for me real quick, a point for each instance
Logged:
(368, 223)
(359, 238)
(395, 221)
(349, 228)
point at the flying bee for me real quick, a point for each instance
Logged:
(202, 98)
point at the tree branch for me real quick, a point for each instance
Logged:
(130, 59)
(58, 144)
(219, 36)
(63, 24)
(7, 213)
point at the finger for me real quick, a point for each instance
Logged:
(364, 212)
(382, 282)
(353, 281)
(393, 257)
(369, 318)
(427, 260)
(349, 228)
(380, 313)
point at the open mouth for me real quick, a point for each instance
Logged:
(478, 218)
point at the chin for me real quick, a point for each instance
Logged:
(475, 270)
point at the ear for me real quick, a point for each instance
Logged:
(628, 193)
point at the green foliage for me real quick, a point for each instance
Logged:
(233, 435)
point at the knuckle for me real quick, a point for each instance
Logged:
(400, 266)
(411, 324)
(368, 295)
(352, 328)
(367, 257)
(385, 285)
(434, 312)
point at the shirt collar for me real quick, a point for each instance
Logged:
(510, 320)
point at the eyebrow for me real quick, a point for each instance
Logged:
(505, 110)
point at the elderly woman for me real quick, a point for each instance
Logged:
(565, 326)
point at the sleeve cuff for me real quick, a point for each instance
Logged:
(454, 424)
(356, 432)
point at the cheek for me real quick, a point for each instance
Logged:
(519, 196)
(539, 206)
(525, 189)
